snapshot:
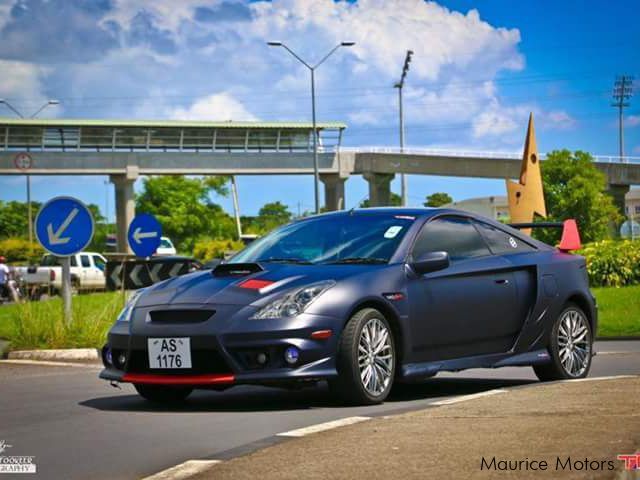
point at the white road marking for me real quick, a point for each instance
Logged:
(321, 427)
(472, 396)
(621, 352)
(591, 379)
(184, 470)
(51, 364)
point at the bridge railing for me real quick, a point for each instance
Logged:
(473, 153)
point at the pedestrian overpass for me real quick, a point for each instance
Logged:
(124, 150)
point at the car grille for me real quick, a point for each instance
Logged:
(202, 362)
(180, 316)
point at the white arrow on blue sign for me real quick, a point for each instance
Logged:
(144, 235)
(64, 226)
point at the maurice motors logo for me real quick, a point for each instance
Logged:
(631, 462)
(15, 463)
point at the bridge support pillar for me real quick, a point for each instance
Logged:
(618, 192)
(333, 191)
(125, 205)
(379, 188)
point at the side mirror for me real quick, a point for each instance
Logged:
(431, 262)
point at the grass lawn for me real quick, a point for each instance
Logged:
(40, 324)
(619, 311)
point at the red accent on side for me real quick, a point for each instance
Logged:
(570, 237)
(321, 334)
(157, 379)
(255, 283)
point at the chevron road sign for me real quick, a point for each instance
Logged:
(134, 274)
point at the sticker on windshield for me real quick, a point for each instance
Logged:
(392, 231)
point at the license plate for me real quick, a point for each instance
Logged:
(169, 352)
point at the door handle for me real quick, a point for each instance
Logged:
(502, 281)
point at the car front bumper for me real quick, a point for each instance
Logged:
(228, 355)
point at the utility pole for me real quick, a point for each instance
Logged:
(622, 92)
(33, 115)
(399, 85)
(312, 69)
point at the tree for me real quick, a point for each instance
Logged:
(438, 199)
(184, 209)
(396, 201)
(575, 188)
(272, 215)
(14, 218)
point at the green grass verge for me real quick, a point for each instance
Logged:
(40, 324)
(33, 325)
(619, 311)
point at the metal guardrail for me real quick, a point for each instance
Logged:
(474, 153)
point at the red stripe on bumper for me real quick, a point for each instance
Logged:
(177, 379)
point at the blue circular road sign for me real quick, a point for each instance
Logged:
(144, 235)
(64, 226)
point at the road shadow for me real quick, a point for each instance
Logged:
(260, 399)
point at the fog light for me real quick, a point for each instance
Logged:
(291, 355)
(261, 358)
(109, 356)
(122, 359)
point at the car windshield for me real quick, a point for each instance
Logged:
(347, 239)
(165, 243)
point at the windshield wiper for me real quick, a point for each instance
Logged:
(297, 261)
(359, 260)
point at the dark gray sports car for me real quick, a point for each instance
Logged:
(362, 299)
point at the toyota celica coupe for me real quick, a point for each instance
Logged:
(361, 299)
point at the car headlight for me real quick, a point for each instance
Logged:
(125, 314)
(293, 303)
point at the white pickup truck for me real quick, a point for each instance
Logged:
(87, 273)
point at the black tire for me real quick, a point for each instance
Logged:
(162, 394)
(556, 369)
(349, 385)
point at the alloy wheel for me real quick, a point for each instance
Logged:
(574, 342)
(375, 356)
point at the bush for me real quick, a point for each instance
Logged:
(20, 250)
(209, 249)
(612, 263)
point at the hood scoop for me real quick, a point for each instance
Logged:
(236, 269)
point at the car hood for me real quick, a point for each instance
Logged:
(205, 288)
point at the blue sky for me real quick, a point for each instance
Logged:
(479, 68)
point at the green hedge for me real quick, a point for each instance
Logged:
(209, 249)
(19, 250)
(613, 263)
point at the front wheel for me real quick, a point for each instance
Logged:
(366, 359)
(570, 347)
(163, 395)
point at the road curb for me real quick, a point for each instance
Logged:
(58, 355)
(619, 338)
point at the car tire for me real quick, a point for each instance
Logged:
(162, 394)
(570, 347)
(362, 361)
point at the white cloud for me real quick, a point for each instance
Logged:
(632, 120)
(220, 106)
(22, 83)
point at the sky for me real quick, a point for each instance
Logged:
(479, 68)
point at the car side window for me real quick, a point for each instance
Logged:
(85, 261)
(98, 262)
(500, 242)
(454, 235)
(73, 262)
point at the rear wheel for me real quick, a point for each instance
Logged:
(570, 347)
(366, 359)
(162, 394)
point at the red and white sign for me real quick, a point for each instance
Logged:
(23, 161)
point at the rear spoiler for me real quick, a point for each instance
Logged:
(570, 240)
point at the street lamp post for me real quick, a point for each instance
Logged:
(312, 69)
(399, 85)
(17, 112)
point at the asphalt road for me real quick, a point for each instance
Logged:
(79, 427)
